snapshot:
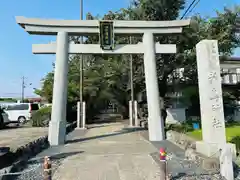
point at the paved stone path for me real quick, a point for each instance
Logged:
(108, 153)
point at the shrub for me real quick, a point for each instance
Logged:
(236, 140)
(41, 117)
(181, 128)
(232, 123)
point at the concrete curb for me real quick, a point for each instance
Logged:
(182, 140)
(20, 157)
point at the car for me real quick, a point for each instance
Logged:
(4, 120)
(21, 112)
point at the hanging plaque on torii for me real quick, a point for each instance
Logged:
(106, 35)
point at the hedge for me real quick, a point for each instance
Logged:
(41, 117)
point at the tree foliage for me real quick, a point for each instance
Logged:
(106, 78)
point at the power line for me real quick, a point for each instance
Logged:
(189, 7)
(193, 7)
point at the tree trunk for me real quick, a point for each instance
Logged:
(163, 92)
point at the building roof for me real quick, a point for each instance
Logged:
(230, 62)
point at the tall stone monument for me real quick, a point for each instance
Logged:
(211, 102)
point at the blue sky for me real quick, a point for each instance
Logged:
(16, 57)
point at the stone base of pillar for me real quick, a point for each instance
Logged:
(212, 150)
(136, 121)
(130, 114)
(81, 128)
(226, 163)
(57, 133)
(154, 130)
(81, 117)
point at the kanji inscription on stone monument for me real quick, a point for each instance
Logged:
(210, 91)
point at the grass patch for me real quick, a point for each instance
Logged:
(231, 132)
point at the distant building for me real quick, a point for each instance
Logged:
(34, 100)
(230, 71)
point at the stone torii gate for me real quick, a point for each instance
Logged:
(64, 28)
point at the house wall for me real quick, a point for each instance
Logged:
(236, 116)
(231, 75)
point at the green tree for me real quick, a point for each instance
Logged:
(47, 87)
(219, 28)
(106, 77)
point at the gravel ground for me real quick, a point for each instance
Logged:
(34, 171)
(201, 177)
(215, 176)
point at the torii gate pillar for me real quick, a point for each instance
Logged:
(57, 126)
(155, 121)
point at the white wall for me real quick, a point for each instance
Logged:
(233, 76)
(176, 115)
(237, 115)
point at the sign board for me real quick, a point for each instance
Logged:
(106, 35)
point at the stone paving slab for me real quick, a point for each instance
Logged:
(109, 153)
(108, 167)
(17, 137)
(178, 164)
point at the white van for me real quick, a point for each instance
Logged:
(22, 112)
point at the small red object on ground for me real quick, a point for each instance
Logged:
(162, 154)
(163, 164)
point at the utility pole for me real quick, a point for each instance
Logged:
(131, 73)
(81, 68)
(23, 87)
(131, 83)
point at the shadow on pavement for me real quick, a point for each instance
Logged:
(98, 126)
(16, 126)
(7, 127)
(55, 157)
(123, 131)
(180, 175)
